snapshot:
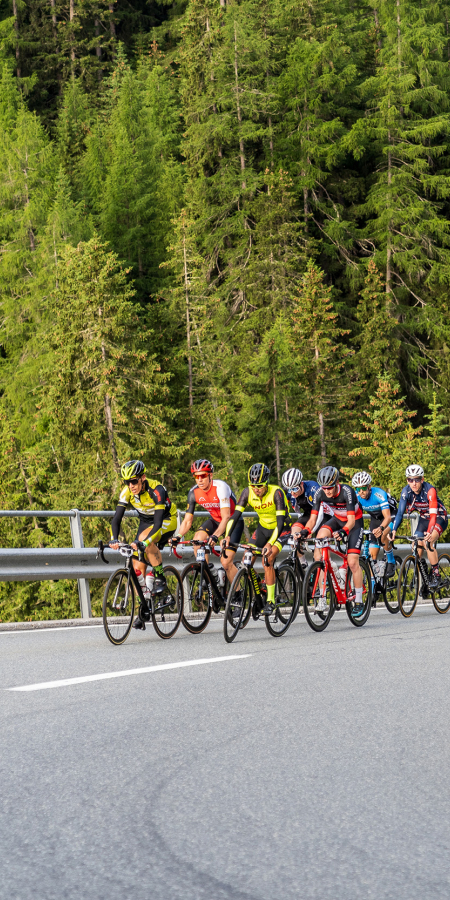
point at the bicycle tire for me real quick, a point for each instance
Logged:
(316, 620)
(441, 598)
(284, 615)
(167, 607)
(367, 594)
(237, 607)
(408, 586)
(390, 594)
(196, 620)
(112, 612)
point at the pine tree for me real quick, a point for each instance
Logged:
(376, 339)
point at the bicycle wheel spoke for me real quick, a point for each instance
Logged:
(168, 605)
(285, 600)
(358, 612)
(318, 597)
(441, 597)
(197, 608)
(408, 586)
(118, 607)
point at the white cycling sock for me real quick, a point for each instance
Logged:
(358, 595)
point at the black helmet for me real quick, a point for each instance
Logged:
(328, 476)
(258, 474)
(132, 469)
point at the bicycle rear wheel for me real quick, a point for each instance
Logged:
(285, 599)
(118, 606)
(359, 618)
(317, 593)
(408, 586)
(238, 604)
(390, 588)
(198, 592)
(168, 605)
(441, 598)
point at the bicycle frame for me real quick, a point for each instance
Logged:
(325, 549)
(128, 553)
(203, 548)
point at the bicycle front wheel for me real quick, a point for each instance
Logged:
(118, 606)
(168, 605)
(318, 597)
(197, 604)
(238, 604)
(441, 597)
(285, 600)
(358, 616)
(408, 586)
(390, 588)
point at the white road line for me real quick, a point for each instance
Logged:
(66, 682)
(67, 628)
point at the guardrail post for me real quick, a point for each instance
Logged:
(84, 593)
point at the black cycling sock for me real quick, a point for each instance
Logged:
(158, 570)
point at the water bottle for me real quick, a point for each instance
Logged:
(221, 577)
(142, 583)
(150, 581)
(339, 571)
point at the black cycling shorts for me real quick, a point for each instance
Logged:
(260, 537)
(210, 526)
(146, 523)
(375, 522)
(423, 525)
(303, 520)
(355, 536)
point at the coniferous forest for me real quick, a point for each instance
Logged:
(224, 232)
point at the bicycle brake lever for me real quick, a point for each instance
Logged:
(101, 554)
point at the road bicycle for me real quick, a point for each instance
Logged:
(205, 591)
(414, 579)
(248, 595)
(383, 588)
(165, 607)
(327, 587)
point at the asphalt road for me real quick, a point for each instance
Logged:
(313, 766)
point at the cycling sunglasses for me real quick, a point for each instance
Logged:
(412, 480)
(260, 484)
(132, 481)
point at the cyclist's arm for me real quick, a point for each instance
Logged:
(116, 520)
(239, 509)
(348, 525)
(433, 506)
(400, 512)
(317, 508)
(280, 514)
(189, 517)
(225, 515)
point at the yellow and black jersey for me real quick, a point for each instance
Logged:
(153, 505)
(272, 510)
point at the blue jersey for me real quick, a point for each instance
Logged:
(305, 503)
(376, 502)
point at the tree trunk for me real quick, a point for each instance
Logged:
(238, 106)
(53, 6)
(112, 26)
(29, 494)
(98, 47)
(323, 449)
(188, 332)
(16, 32)
(108, 417)
(275, 419)
(72, 35)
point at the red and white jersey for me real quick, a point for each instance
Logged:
(218, 496)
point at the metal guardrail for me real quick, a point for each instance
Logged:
(80, 563)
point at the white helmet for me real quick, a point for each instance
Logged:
(414, 472)
(361, 480)
(292, 479)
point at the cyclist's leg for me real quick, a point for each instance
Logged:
(228, 562)
(295, 531)
(269, 573)
(439, 528)
(329, 524)
(374, 542)
(355, 537)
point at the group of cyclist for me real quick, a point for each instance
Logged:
(325, 508)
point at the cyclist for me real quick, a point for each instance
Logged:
(375, 501)
(157, 523)
(342, 517)
(217, 498)
(301, 495)
(271, 506)
(421, 496)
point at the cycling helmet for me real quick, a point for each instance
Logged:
(414, 471)
(328, 476)
(361, 480)
(292, 479)
(258, 474)
(132, 469)
(202, 466)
